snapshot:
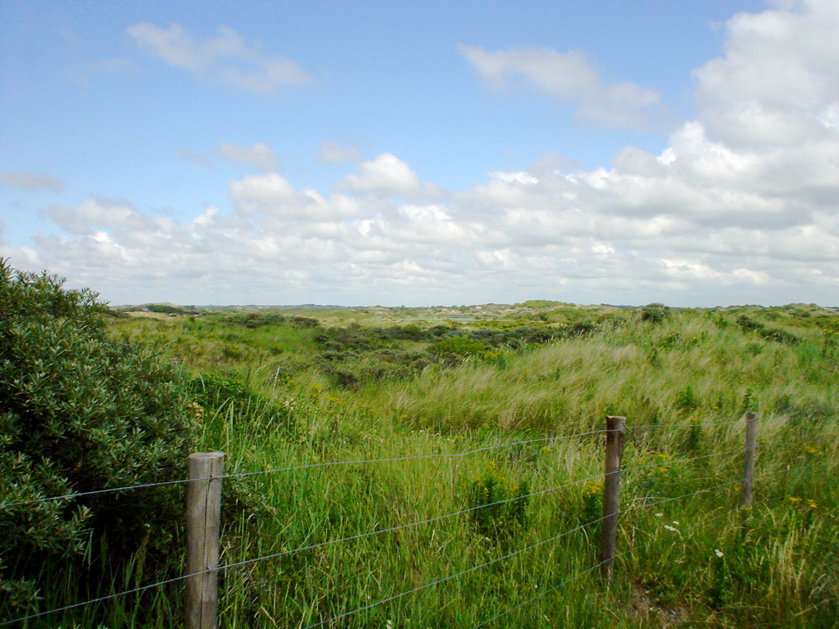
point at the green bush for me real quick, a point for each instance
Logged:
(80, 412)
(655, 313)
(459, 346)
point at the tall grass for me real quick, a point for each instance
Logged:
(688, 555)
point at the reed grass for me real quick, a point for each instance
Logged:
(688, 555)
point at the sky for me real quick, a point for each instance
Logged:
(424, 153)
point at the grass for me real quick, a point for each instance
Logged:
(688, 556)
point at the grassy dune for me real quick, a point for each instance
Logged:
(289, 388)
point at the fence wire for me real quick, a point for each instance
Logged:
(617, 555)
(503, 558)
(418, 523)
(369, 461)
(465, 511)
(301, 467)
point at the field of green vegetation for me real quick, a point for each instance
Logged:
(458, 453)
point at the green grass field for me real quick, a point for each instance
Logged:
(506, 535)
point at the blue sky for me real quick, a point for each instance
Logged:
(393, 153)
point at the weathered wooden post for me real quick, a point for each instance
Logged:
(747, 485)
(203, 525)
(611, 493)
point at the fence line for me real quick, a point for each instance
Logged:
(596, 566)
(35, 501)
(302, 467)
(412, 457)
(696, 425)
(368, 461)
(461, 512)
(149, 586)
(449, 455)
(507, 556)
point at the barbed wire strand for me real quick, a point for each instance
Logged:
(452, 576)
(99, 491)
(469, 452)
(101, 599)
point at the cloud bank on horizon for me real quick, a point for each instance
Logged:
(740, 206)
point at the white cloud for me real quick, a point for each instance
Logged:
(258, 155)
(387, 175)
(275, 203)
(225, 59)
(777, 83)
(721, 215)
(570, 78)
(92, 213)
(262, 193)
(27, 180)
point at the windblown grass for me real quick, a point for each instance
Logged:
(688, 556)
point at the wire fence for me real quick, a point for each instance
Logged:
(413, 457)
(426, 521)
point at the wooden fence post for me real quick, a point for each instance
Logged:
(747, 485)
(203, 524)
(611, 493)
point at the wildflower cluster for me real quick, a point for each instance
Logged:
(498, 505)
(804, 505)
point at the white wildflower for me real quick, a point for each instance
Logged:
(718, 552)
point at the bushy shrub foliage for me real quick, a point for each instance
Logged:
(459, 346)
(655, 313)
(80, 412)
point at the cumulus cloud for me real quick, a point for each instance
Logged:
(225, 59)
(275, 202)
(257, 155)
(27, 180)
(721, 215)
(777, 82)
(387, 175)
(570, 78)
(93, 213)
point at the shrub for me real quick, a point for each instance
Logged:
(80, 412)
(459, 346)
(655, 313)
